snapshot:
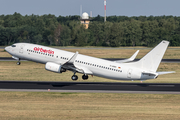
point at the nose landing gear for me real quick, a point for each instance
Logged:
(18, 63)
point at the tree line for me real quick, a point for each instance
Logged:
(67, 30)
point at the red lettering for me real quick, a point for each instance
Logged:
(43, 50)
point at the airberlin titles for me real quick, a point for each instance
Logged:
(43, 50)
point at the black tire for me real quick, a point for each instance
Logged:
(85, 77)
(74, 77)
(18, 63)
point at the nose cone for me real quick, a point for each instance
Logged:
(7, 49)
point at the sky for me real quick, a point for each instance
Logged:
(72, 7)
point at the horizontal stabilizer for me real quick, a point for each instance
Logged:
(128, 60)
(165, 72)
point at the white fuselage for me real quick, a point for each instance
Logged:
(97, 67)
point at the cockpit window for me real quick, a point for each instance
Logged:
(13, 45)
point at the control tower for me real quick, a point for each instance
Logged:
(85, 19)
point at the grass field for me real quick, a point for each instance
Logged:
(88, 106)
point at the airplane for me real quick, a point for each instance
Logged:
(59, 61)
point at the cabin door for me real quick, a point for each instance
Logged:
(21, 49)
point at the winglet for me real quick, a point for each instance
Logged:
(133, 56)
(129, 59)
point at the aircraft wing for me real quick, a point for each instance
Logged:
(128, 60)
(70, 66)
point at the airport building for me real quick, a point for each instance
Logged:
(85, 19)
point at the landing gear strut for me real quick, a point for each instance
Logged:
(85, 77)
(18, 63)
(74, 77)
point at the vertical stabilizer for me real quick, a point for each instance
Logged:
(151, 61)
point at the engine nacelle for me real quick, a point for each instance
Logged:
(54, 67)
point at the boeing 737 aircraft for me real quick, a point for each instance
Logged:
(59, 61)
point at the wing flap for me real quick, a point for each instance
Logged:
(85, 71)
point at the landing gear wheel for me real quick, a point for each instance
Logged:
(74, 77)
(85, 77)
(18, 63)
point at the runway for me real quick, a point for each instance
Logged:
(111, 59)
(91, 87)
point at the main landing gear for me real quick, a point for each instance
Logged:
(85, 77)
(75, 77)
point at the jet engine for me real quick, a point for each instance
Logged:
(54, 67)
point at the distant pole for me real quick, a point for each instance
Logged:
(80, 10)
(104, 10)
(91, 14)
